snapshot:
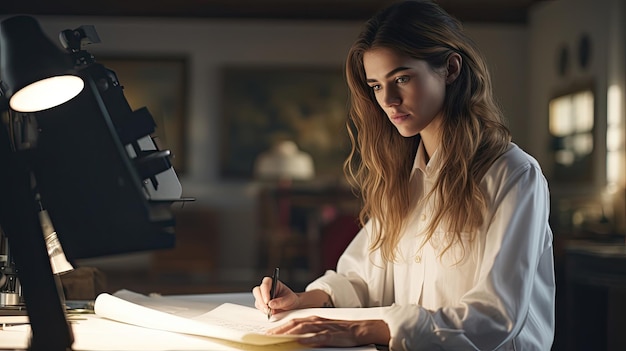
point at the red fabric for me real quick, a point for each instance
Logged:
(336, 236)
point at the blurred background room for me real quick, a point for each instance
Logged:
(249, 96)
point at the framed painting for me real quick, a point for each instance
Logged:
(262, 106)
(160, 85)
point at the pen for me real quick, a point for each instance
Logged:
(272, 291)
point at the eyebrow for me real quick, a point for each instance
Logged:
(391, 73)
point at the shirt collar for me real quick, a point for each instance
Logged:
(419, 163)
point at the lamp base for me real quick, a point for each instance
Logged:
(11, 304)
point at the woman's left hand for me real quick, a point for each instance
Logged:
(336, 333)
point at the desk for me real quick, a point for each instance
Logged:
(95, 333)
(596, 296)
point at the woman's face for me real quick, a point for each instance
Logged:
(409, 91)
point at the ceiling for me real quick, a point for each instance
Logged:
(501, 11)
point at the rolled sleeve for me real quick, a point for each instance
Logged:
(340, 289)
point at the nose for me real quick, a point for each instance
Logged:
(390, 98)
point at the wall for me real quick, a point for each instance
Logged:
(557, 24)
(210, 44)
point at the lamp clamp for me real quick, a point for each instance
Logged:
(74, 40)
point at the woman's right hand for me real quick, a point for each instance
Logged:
(284, 300)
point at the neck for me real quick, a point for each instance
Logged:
(431, 138)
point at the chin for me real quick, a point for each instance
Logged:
(407, 133)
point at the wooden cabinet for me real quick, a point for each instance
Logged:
(594, 310)
(296, 221)
(196, 252)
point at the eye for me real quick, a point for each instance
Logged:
(402, 79)
(375, 87)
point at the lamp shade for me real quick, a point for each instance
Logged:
(36, 74)
(284, 161)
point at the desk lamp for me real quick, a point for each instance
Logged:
(91, 166)
(58, 261)
(36, 74)
(31, 64)
(11, 301)
(10, 289)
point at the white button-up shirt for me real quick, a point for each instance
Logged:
(498, 295)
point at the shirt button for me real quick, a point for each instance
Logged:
(418, 259)
(423, 217)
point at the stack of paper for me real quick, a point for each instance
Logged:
(133, 322)
(228, 321)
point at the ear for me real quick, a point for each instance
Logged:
(453, 68)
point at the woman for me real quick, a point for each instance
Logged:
(456, 237)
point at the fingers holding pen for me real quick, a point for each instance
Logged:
(261, 294)
(266, 287)
(284, 298)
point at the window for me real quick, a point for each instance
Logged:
(571, 119)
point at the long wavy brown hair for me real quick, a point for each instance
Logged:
(473, 132)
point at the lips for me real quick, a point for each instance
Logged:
(398, 117)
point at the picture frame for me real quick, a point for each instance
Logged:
(264, 105)
(158, 83)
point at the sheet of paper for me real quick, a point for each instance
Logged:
(247, 330)
(349, 314)
(96, 333)
(227, 321)
(99, 334)
(172, 305)
(191, 309)
(13, 319)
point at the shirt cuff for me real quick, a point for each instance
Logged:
(408, 326)
(414, 328)
(339, 289)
